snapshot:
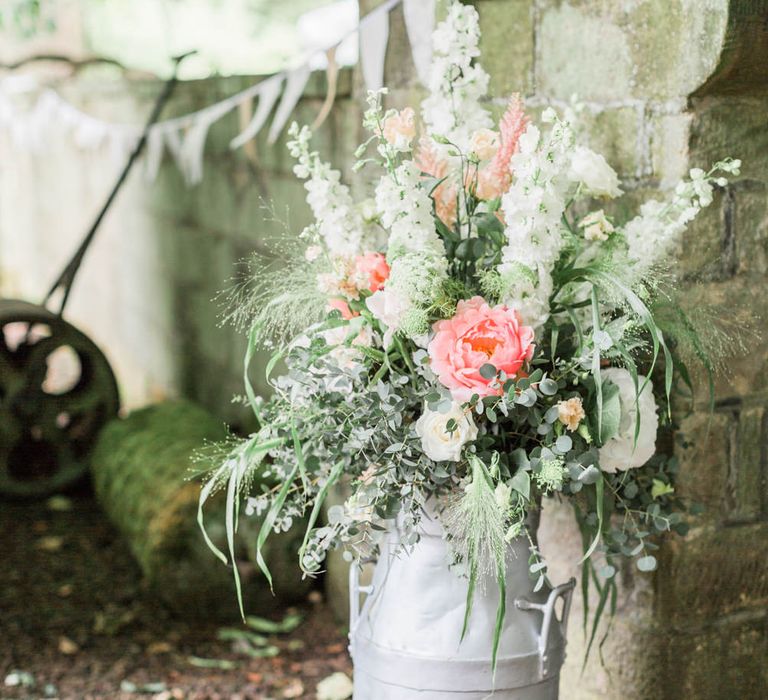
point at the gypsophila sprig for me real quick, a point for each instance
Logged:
(482, 330)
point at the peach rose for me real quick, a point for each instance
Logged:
(371, 271)
(479, 334)
(484, 143)
(570, 413)
(400, 128)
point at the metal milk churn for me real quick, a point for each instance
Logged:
(405, 641)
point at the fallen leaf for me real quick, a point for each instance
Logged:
(159, 648)
(20, 678)
(51, 543)
(254, 677)
(224, 664)
(335, 648)
(295, 689)
(261, 624)
(65, 591)
(337, 686)
(59, 504)
(67, 646)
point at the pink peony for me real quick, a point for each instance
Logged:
(479, 334)
(371, 271)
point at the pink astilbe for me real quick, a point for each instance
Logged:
(495, 178)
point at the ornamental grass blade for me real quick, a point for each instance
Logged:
(501, 612)
(269, 521)
(599, 491)
(333, 477)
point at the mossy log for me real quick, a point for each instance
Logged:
(141, 473)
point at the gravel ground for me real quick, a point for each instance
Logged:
(76, 622)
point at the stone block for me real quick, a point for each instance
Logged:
(729, 317)
(669, 147)
(749, 223)
(723, 661)
(704, 447)
(507, 45)
(713, 572)
(731, 127)
(744, 493)
(619, 135)
(581, 50)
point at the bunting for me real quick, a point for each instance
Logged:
(184, 137)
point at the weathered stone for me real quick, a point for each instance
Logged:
(619, 135)
(507, 45)
(746, 468)
(722, 661)
(713, 572)
(608, 52)
(669, 147)
(704, 448)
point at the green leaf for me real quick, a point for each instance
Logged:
(521, 482)
(646, 563)
(599, 491)
(610, 415)
(488, 371)
(286, 625)
(548, 386)
(660, 488)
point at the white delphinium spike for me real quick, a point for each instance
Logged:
(533, 208)
(339, 223)
(415, 253)
(457, 82)
(653, 234)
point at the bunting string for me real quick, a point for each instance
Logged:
(184, 137)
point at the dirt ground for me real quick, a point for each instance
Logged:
(75, 622)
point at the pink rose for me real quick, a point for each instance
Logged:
(400, 128)
(371, 271)
(479, 334)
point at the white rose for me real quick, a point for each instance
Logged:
(388, 306)
(592, 170)
(437, 442)
(620, 452)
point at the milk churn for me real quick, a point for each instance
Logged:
(405, 640)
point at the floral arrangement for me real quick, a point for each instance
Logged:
(479, 334)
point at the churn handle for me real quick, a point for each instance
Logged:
(564, 591)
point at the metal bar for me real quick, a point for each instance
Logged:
(67, 276)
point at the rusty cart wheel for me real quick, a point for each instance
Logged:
(57, 391)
